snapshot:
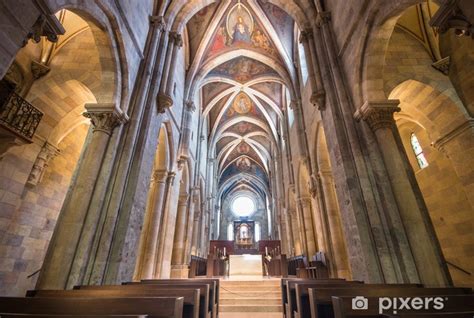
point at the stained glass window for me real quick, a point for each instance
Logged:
(420, 156)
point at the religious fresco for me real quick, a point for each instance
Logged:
(239, 29)
(242, 69)
(251, 167)
(272, 90)
(282, 23)
(243, 128)
(211, 90)
(197, 27)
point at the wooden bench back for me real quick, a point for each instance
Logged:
(302, 293)
(291, 290)
(451, 304)
(204, 291)
(151, 306)
(190, 296)
(321, 298)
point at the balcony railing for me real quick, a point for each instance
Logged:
(19, 116)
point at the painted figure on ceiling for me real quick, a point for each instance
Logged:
(219, 41)
(241, 32)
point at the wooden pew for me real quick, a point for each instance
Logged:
(291, 305)
(151, 306)
(214, 285)
(71, 316)
(203, 304)
(190, 296)
(284, 297)
(303, 308)
(321, 298)
(453, 304)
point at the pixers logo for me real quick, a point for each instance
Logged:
(416, 303)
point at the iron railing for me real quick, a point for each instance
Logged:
(20, 116)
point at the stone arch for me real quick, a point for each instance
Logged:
(427, 107)
(381, 24)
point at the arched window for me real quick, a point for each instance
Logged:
(258, 232)
(230, 232)
(303, 64)
(420, 157)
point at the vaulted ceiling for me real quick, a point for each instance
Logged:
(241, 60)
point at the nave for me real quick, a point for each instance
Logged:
(185, 157)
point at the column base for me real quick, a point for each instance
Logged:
(180, 271)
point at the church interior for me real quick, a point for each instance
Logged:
(203, 158)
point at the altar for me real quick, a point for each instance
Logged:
(245, 265)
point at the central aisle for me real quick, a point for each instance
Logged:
(245, 265)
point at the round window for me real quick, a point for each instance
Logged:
(243, 206)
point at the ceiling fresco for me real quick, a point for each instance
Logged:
(242, 69)
(242, 95)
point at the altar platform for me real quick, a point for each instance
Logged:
(245, 265)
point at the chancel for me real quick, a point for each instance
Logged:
(204, 158)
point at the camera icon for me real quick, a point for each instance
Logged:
(360, 303)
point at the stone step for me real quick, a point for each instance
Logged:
(247, 288)
(250, 301)
(251, 308)
(250, 293)
(251, 283)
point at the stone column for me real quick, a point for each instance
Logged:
(188, 241)
(47, 152)
(419, 229)
(307, 229)
(151, 229)
(296, 233)
(163, 225)
(178, 268)
(318, 94)
(70, 227)
(196, 232)
(335, 227)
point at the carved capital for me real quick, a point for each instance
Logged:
(46, 25)
(164, 101)
(306, 35)
(319, 99)
(158, 22)
(378, 114)
(47, 152)
(295, 104)
(190, 106)
(305, 202)
(442, 65)
(450, 15)
(39, 69)
(181, 162)
(159, 176)
(323, 18)
(177, 39)
(105, 117)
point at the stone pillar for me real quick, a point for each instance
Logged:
(196, 231)
(70, 227)
(162, 239)
(335, 228)
(307, 229)
(47, 152)
(188, 241)
(419, 229)
(296, 233)
(152, 226)
(318, 95)
(178, 268)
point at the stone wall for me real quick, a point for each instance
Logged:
(29, 214)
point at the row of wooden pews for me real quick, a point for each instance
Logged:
(163, 298)
(338, 298)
